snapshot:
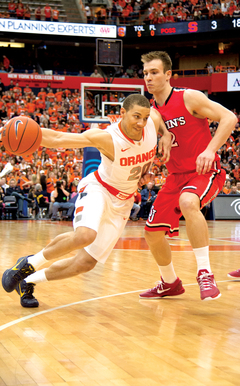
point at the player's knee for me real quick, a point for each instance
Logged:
(84, 263)
(189, 203)
(83, 237)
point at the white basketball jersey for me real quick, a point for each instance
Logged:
(132, 158)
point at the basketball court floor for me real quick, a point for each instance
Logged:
(93, 330)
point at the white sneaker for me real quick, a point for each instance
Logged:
(7, 169)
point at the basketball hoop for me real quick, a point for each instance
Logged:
(114, 117)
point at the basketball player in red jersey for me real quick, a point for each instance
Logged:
(195, 177)
(127, 148)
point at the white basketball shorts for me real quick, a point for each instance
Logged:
(101, 211)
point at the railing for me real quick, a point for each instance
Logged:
(201, 71)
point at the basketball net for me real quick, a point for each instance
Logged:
(114, 117)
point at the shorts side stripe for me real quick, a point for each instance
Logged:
(165, 226)
(211, 179)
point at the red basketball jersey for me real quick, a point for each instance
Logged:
(190, 135)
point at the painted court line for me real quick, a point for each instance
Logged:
(10, 324)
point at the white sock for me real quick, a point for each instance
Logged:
(202, 257)
(167, 272)
(37, 260)
(37, 277)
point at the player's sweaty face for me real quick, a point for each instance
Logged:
(134, 120)
(154, 75)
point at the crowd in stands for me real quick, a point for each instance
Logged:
(134, 11)
(18, 10)
(161, 11)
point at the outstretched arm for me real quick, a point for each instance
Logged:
(202, 107)
(90, 138)
(165, 143)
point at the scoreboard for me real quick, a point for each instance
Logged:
(178, 28)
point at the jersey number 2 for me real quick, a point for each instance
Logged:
(137, 172)
(174, 142)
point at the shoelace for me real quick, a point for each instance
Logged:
(205, 282)
(19, 275)
(159, 285)
(28, 290)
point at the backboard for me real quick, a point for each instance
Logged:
(102, 99)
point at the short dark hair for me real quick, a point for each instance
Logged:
(161, 55)
(135, 99)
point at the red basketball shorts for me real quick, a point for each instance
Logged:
(165, 212)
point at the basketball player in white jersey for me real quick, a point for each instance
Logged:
(105, 200)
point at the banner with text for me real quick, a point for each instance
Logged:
(61, 29)
(36, 77)
(233, 81)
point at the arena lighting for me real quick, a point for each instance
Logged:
(12, 44)
(221, 48)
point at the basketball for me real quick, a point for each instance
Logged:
(21, 135)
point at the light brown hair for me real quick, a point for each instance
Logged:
(161, 55)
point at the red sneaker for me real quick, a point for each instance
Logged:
(208, 286)
(164, 289)
(235, 274)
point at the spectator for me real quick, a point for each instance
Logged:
(3, 184)
(38, 13)
(32, 205)
(148, 197)
(225, 153)
(234, 161)
(227, 187)
(136, 206)
(40, 104)
(136, 10)
(15, 190)
(42, 201)
(232, 7)
(27, 13)
(114, 12)
(20, 11)
(59, 199)
(88, 14)
(12, 8)
(210, 68)
(96, 74)
(234, 189)
(47, 11)
(218, 67)
(55, 13)
(103, 14)
(27, 90)
(2, 87)
(236, 172)
(224, 7)
(238, 187)
(236, 12)
(42, 93)
(6, 63)
(218, 14)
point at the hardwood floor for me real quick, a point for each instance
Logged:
(93, 330)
